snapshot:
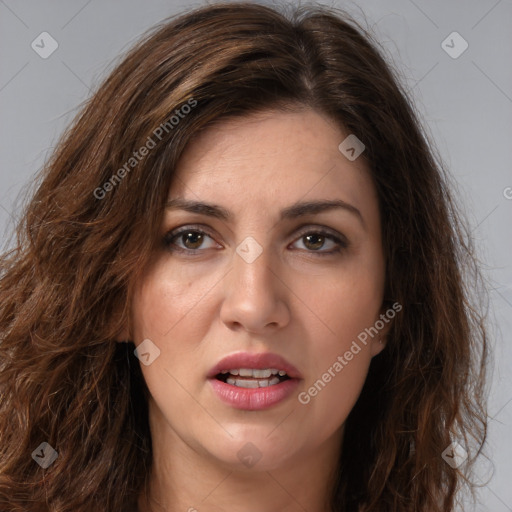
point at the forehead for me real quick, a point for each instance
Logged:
(269, 160)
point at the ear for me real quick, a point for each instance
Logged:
(378, 345)
(380, 340)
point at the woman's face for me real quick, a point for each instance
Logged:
(254, 275)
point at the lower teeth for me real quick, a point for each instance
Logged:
(253, 383)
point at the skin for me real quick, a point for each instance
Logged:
(291, 300)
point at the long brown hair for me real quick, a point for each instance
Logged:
(93, 222)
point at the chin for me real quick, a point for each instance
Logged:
(254, 452)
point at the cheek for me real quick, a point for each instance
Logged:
(165, 309)
(331, 397)
(340, 351)
(170, 309)
(163, 299)
(347, 302)
(339, 359)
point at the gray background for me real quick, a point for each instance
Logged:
(465, 102)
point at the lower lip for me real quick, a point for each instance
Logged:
(253, 399)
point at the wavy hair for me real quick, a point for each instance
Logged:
(91, 226)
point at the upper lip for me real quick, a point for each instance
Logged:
(257, 361)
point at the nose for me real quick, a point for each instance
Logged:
(255, 297)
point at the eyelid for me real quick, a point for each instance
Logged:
(190, 227)
(338, 238)
(313, 228)
(183, 229)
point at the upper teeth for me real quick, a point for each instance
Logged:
(258, 374)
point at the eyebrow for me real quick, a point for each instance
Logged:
(294, 211)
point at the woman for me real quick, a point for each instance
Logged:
(242, 285)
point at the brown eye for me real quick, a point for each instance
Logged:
(192, 239)
(315, 241)
(187, 240)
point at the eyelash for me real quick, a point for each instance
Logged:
(170, 236)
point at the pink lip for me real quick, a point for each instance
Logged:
(254, 399)
(255, 361)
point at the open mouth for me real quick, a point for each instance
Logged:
(240, 385)
(252, 378)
